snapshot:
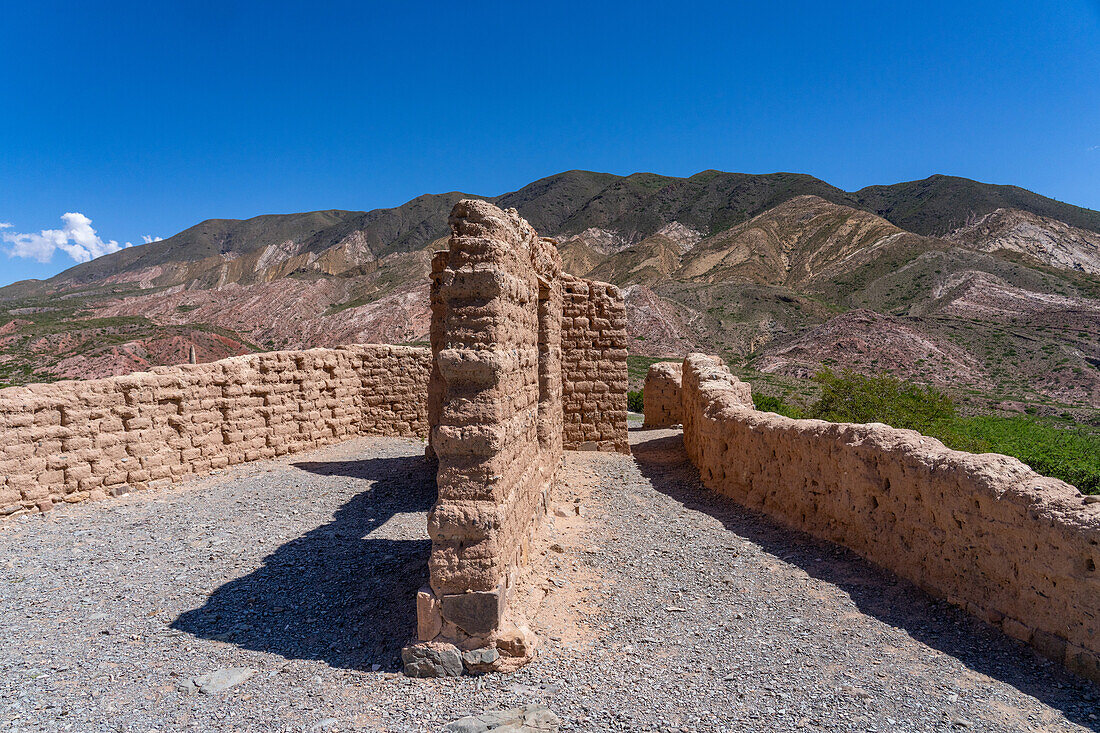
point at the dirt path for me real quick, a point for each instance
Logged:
(663, 607)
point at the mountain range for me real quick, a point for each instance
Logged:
(984, 289)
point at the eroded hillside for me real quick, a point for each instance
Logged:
(987, 288)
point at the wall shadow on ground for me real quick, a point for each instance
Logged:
(343, 593)
(876, 592)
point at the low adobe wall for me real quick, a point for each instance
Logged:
(594, 370)
(985, 532)
(661, 395)
(76, 440)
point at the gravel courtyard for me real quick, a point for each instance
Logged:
(662, 607)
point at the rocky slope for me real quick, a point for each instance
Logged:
(1041, 239)
(945, 280)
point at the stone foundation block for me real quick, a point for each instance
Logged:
(478, 613)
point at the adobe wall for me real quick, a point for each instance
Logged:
(76, 440)
(594, 376)
(985, 532)
(661, 395)
(496, 335)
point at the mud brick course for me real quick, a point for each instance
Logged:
(984, 532)
(594, 376)
(76, 440)
(661, 395)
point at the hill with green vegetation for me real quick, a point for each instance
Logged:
(990, 291)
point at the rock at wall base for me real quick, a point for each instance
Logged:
(477, 613)
(429, 616)
(432, 660)
(517, 646)
(480, 661)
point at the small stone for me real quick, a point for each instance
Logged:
(556, 548)
(1092, 499)
(533, 718)
(121, 490)
(220, 680)
(479, 661)
(517, 641)
(429, 614)
(432, 660)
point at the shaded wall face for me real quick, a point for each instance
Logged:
(504, 326)
(76, 440)
(984, 532)
(594, 368)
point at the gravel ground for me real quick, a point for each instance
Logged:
(663, 607)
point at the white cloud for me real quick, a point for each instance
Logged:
(5, 225)
(149, 240)
(76, 238)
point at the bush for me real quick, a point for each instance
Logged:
(853, 397)
(768, 403)
(1070, 454)
(634, 401)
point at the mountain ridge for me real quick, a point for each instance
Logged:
(781, 272)
(570, 202)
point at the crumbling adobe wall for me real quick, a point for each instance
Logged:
(76, 440)
(496, 335)
(985, 532)
(594, 375)
(661, 395)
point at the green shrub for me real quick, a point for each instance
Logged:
(855, 398)
(1070, 454)
(768, 403)
(634, 401)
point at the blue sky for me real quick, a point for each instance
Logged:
(146, 118)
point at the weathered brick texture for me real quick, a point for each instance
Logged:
(496, 335)
(985, 532)
(661, 395)
(76, 440)
(594, 376)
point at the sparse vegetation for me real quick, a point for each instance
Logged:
(634, 401)
(771, 403)
(1065, 451)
